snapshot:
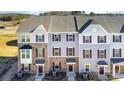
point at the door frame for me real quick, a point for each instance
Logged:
(42, 68)
(103, 70)
(68, 67)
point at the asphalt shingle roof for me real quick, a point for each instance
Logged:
(102, 62)
(117, 60)
(112, 24)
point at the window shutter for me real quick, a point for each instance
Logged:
(53, 37)
(67, 51)
(120, 52)
(113, 52)
(53, 51)
(43, 52)
(36, 38)
(73, 51)
(73, 37)
(120, 38)
(113, 38)
(83, 53)
(98, 39)
(105, 52)
(59, 51)
(42, 38)
(36, 52)
(67, 37)
(29, 67)
(105, 38)
(98, 53)
(59, 37)
(22, 67)
(90, 53)
(83, 39)
(90, 39)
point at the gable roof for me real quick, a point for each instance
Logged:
(112, 24)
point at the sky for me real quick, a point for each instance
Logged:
(38, 12)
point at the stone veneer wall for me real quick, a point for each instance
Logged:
(33, 65)
(56, 60)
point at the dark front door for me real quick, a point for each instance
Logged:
(101, 69)
(40, 69)
(70, 68)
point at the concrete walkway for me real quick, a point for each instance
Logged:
(103, 77)
(10, 73)
(39, 77)
(71, 76)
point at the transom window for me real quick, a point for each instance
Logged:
(25, 38)
(87, 53)
(56, 51)
(70, 51)
(116, 52)
(25, 53)
(87, 39)
(56, 37)
(39, 38)
(116, 38)
(70, 37)
(102, 53)
(101, 39)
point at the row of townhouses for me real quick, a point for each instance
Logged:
(72, 44)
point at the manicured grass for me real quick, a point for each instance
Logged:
(5, 50)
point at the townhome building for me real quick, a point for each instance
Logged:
(71, 44)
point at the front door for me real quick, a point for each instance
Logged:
(101, 70)
(40, 69)
(70, 68)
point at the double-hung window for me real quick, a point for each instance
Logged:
(70, 51)
(25, 53)
(116, 38)
(70, 37)
(87, 53)
(87, 39)
(101, 39)
(39, 38)
(56, 37)
(117, 52)
(102, 53)
(40, 52)
(25, 38)
(56, 51)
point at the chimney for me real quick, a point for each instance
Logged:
(75, 21)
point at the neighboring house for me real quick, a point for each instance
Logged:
(72, 44)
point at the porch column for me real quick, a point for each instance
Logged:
(119, 69)
(113, 71)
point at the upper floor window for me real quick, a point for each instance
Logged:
(87, 53)
(70, 37)
(39, 38)
(70, 51)
(101, 39)
(25, 53)
(56, 51)
(25, 38)
(102, 53)
(40, 52)
(116, 38)
(87, 39)
(56, 37)
(117, 52)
